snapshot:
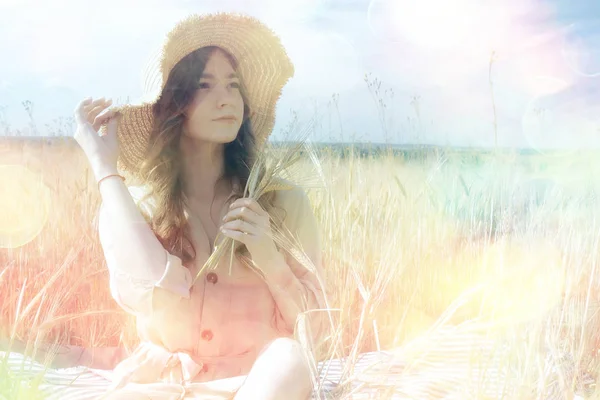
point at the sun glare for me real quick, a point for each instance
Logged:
(24, 205)
(425, 23)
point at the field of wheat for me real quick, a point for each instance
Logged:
(501, 243)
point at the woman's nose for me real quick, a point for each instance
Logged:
(224, 95)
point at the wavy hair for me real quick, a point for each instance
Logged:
(161, 170)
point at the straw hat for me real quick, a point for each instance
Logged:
(263, 66)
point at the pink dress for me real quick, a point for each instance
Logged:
(214, 328)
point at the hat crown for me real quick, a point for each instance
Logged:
(221, 29)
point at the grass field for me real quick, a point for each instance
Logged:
(507, 242)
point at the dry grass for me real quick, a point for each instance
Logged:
(410, 250)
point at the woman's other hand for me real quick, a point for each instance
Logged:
(102, 151)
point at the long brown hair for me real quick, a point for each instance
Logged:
(161, 170)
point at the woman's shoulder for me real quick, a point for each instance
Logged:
(298, 214)
(286, 189)
(290, 196)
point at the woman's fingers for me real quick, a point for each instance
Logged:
(102, 119)
(91, 105)
(239, 236)
(88, 110)
(248, 210)
(80, 110)
(250, 203)
(95, 103)
(242, 226)
(243, 212)
(95, 111)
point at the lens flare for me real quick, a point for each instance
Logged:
(581, 49)
(24, 205)
(560, 119)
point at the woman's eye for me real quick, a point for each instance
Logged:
(205, 85)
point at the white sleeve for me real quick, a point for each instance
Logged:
(132, 282)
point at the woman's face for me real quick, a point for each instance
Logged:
(218, 96)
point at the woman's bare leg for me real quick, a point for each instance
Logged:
(281, 371)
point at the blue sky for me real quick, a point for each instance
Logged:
(434, 54)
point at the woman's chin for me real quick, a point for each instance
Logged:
(225, 135)
(229, 140)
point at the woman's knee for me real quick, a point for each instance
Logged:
(283, 362)
(286, 359)
(288, 351)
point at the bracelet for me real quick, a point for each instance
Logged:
(108, 176)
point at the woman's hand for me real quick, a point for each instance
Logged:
(102, 151)
(248, 223)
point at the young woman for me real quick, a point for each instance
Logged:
(190, 153)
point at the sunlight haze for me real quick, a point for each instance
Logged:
(435, 56)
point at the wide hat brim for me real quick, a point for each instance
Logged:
(263, 66)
